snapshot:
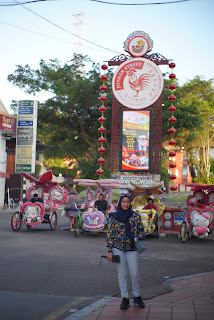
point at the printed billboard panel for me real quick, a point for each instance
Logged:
(135, 143)
(26, 136)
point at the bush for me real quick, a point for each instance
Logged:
(178, 200)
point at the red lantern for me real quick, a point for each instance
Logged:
(172, 153)
(172, 165)
(101, 161)
(100, 171)
(103, 98)
(101, 129)
(172, 131)
(102, 119)
(172, 176)
(172, 86)
(102, 109)
(104, 67)
(102, 140)
(102, 150)
(172, 142)
(173, 188)
(172, 120)
(104, 77)
(172, 76)
(171, 97)
(172, 65)
(172, 109)
(103, 88)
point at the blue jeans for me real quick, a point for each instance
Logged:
(130, 257)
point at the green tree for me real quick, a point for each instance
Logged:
(68, 120)
(195, 121)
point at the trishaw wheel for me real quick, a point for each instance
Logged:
(16, 222)
(77, 227)
(29, 227)
(53, 221)
(183, 232)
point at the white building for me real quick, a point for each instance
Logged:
(7, 128)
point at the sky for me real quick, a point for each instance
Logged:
(182, 32)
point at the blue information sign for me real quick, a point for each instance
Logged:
(25, 123)
(178, 218)
(25, 110)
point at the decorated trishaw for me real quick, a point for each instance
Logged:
(51, 195)
(88, 217)
(150, 218)
(199, 216)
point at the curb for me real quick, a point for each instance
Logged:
(89, 309)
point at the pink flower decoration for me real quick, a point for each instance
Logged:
(205, 215)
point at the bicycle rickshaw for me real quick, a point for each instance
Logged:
(88, 219)
(150, 218)
(198, 221)
(32, 214)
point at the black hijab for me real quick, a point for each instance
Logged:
(123, 216)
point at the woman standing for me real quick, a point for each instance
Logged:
(124, 230)
(72, 212)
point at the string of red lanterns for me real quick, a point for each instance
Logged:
(102, 120)
(172, 130)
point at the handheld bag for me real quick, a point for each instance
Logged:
(140, 246)
(67, 206)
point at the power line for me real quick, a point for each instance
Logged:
(44, 35)
(56, 25)
(138, 4)
(7, 4)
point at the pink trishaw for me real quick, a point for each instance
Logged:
(199, 217)
(33, 214)
(88, 218)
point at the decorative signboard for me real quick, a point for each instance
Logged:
(137, 83)
(26, 136)
(135, 143)
(7, 123)
(140, 180)
(138, 43)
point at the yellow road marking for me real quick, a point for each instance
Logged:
(54, 315)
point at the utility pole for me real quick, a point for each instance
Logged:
(78, 24)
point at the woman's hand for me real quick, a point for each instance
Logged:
(128, 242)
(109, 256)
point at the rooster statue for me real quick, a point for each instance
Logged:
(138, 84)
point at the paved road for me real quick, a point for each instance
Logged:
(45, 271)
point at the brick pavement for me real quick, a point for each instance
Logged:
(192, 298)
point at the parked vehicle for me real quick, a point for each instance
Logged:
(32, 214)
(199, 217)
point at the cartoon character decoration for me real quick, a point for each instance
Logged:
(200, 224)
(33, 213)
(93, 221)
(145, 220)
